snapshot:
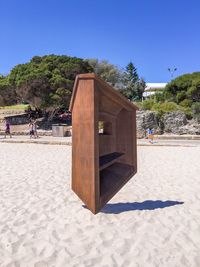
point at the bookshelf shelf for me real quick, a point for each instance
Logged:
(108, 159)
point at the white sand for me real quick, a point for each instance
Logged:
(43, 223)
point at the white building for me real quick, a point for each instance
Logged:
(152, 88)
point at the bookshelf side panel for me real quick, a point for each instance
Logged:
(84, 145)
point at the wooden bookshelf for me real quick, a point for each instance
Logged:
(104, 154)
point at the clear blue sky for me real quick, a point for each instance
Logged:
(154, 34)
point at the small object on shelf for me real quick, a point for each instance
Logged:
(104, 148)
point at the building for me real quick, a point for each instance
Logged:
(152, 88)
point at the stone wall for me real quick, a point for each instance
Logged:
(169, 123)
(16, 119)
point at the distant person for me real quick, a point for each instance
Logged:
(35, 129)
(7, 128)
(150, 135)
(31, 129)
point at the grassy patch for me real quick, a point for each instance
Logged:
(15, 107)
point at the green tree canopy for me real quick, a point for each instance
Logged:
(184, 87)
(7, 92)
(47, 81)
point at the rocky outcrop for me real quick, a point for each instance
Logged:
(148, 119)
(169, 123)
(192, 127)
(173, 121)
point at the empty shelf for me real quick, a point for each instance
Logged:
(108, 159)
(113, 178)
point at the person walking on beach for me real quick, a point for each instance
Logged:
(35, 129)
(150, 135)
(7, 128)
(31, 129)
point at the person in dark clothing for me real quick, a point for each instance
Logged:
(7, 128)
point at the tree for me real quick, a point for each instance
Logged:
(186, 86)
(47, 81)
(7, 92)
(193, 92)
(108, 72)
(131, 75)
(140, 86)
(133, 86)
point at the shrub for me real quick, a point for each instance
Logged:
(196, 108)
(186, 103)
(147, 104)
(156, 107)
(180, 96)
(165, 107)
(187, 111)
(170, 107)
(194, 93)
(196, 111)
(159, 97)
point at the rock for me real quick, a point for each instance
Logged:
(193, 128)
(174, 122)
(145, 120)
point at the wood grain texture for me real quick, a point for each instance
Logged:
(101, 163)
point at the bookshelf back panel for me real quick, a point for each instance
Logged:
(107, 144)
(125, 136)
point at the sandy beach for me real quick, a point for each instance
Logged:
(153, 221)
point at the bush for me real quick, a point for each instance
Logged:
(159, 97)
(186, 103)
(187, 111)
(180, 96)
(147, 104)
(196, 108)
(157, 107)
(168, 96)
(196, 111)
(193, 93)
(165, 107)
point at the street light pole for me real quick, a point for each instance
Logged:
(172, 71)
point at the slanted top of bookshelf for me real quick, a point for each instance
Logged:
(105, 88)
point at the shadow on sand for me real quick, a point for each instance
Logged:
(117, 208)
